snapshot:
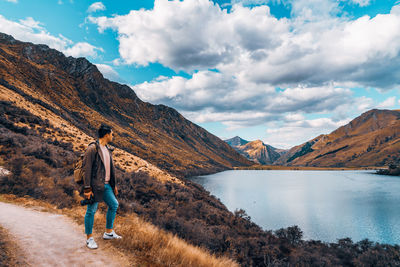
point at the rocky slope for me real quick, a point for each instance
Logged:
(72, 93)
(372, 139)
(256, 150)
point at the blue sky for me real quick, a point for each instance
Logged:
(283, 71)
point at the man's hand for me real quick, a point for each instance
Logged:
(88, 193)
(115, 191)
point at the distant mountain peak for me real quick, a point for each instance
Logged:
(236, 141)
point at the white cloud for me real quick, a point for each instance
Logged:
(234, 120)
(297, 132)
(388, 103)
(307, 10)
(29, 22)
(237, 102)
(12, 1)
(314, 58)
(22, 31)
(312, 48)
(250, 2)
(310, 99)
(192, 35)
(109, 73)
(83, 49)
(30, 30)
(294, 117)
(361, 2)
(364, 103)
(96, 7)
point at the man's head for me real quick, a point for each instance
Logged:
(105, 132)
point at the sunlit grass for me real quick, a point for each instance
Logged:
(142, 242)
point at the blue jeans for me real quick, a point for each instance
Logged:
(112, 204)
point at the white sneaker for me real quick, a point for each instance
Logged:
(90, 243)
(111, 235)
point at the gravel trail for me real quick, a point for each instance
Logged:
(48, 239)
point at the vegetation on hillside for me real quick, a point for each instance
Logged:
(393, 169)
(42, 168)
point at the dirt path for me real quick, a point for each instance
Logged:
(48, 239)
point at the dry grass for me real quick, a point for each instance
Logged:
(164, 249)
(143, 243)
(10, 253)
(71, 134)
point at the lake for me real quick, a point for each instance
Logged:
(326, 205)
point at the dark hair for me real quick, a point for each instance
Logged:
(103, 130)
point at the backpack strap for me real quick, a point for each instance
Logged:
(95, 143)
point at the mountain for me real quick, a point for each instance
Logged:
(372, 139)
(236, 141)
(259, 152)
(72, 94)
(256, 150)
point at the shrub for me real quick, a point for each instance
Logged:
(292, 234)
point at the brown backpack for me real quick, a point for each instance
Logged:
(79, 172)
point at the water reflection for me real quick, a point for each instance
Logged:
(326, 205)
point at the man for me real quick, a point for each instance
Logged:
(100, 184)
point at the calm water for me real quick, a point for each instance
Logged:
(326, 205)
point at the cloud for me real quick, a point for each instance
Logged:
(206, 89)
(361, 2)
(83, 49)
(12, 1)
(364, 103)
(290, 133)
(233, 120)
(250, 2)
(388, 103)
(310, 99)
(96, 7)
(109, 73)
(32, 33)
(315, 47)
(236, 102)
(30, 30)
(189, 35)
(29, 22)
(293, 117)
(311, 10)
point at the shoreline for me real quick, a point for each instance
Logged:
(298, 168)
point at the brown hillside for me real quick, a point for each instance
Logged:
(372, 139)
(71, 91)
